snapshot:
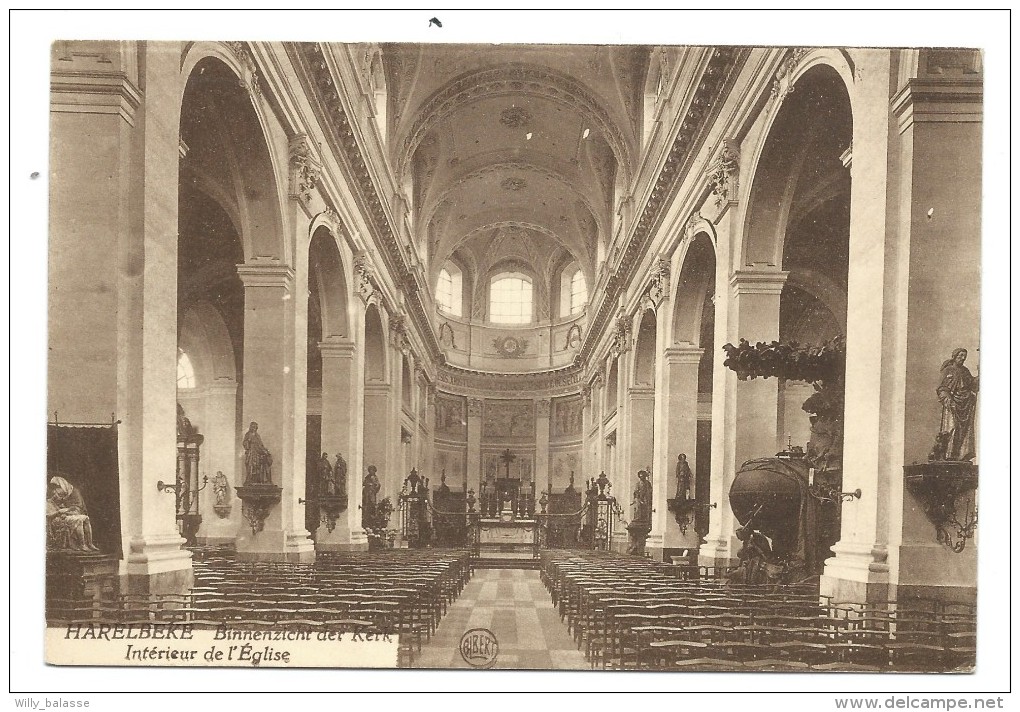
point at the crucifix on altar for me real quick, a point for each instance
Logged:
(507, 487)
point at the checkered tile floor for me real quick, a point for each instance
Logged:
(515, 606)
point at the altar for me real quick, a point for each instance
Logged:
(507, 533)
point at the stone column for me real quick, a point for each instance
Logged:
(339, 435)
(745, 413)
(428, 452)
(269, 354)
(586, 426)
(219, 454)
(474, 445)
(912, 298)
(680, 391)
(113, 253)
(542, 474)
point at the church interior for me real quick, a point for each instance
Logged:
(639, 357)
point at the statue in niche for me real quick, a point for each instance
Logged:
(327, 479)
(340, 475)
(68, 526)
(221, 489)
(957, 392)
(642, 498)
(258, 463)
(684, 477)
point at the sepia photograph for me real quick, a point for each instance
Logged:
(434, 352)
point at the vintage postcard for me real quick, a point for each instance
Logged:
(590, 356)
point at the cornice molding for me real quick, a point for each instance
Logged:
(554, 382)
(340, 133)
(715, 83)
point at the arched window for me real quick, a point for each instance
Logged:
(578, 292)
(185, 371)
(573, 291)
(510, 299)
(449, 290)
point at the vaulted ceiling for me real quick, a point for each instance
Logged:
(513, 152)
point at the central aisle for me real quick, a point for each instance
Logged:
(515, 606)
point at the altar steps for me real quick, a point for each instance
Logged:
(494, 561)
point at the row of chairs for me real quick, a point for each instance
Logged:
(401, 592)
(626, 612)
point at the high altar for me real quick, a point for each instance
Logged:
(508, 513)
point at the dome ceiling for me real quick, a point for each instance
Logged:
(500, 145)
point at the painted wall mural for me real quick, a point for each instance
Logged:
(451, 417)
(503, 419)
(567, 420)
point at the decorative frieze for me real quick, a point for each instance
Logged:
(558, 380)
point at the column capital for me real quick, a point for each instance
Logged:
(337, 348)
(683, 353)
(955, 100)
(758, 281)
(222, 387)
(266, 273)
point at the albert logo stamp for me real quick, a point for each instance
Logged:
(479, 648)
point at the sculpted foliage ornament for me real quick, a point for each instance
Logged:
(510, 346)
(658, 288)
(722, 176)
(821, 366)
(304, 169)
(783, 83)
(249, 79)
(621, 335)
(364, 273)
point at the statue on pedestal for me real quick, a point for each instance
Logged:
(684, 477)
(221, 489)
(369, 491)
(340, 476)
(642, 498)
(957, 392)
(327, 480)
(258, 463)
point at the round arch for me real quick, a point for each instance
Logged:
(204, 336)
(778, 157)
(375, 346)
(225, 137)
(694, 287)
(328, 275)
(644, 349)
